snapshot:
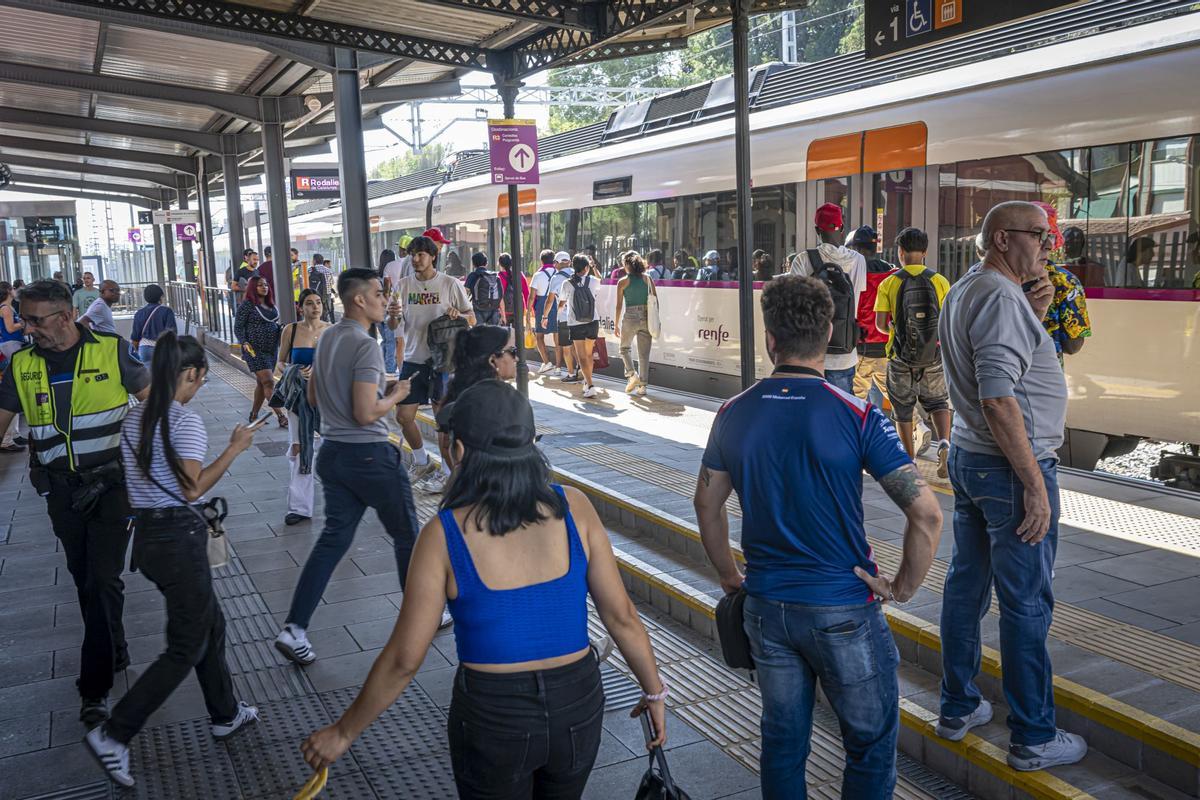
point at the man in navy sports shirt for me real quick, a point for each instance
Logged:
(794, 447)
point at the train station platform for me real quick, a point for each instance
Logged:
(1126, 639)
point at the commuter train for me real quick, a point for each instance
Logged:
(1098, 120)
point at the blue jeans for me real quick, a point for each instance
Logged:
(355, 477)
(145, 353)
(842, 378)
(989, 504)
(849, 649)
(387, 339)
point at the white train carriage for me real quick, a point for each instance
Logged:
(1101, 124)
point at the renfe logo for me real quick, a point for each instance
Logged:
(718, 335)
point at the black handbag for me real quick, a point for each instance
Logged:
(731, 630)
(657, 784)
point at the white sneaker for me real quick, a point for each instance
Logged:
(955, 728)
(293, 643)
(546, 366)
(111, 755)
(589, 391)
(924, 437)
(632, 384)
(447, 620)
(419, 472)
(246, 715)
(640, 391)
(943, 468)
(434, 484)
(1064, 748)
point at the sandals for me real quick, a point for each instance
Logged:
(283, 420)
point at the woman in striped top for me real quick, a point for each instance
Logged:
(163, 445)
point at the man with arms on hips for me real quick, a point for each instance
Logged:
(539, 286)
(358, 467)
(426, 295)
(73, 386)
(1011, 401)
(794, 447)
(841, 362)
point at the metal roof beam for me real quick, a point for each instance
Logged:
(82, 185)
(112, 198)
(244, 106)
(176, 163)
(401, 93)
(166, 179)
(180, 23)
(208, 142)
(305, 39)
(323, 130)
(571, 15)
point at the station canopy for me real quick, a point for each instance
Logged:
(120, 99)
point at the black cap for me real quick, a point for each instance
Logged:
(249, 251)
(865, 237)
(490, 416)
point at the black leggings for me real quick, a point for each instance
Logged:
(527, 734)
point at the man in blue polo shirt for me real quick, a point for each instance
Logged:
(794, 447)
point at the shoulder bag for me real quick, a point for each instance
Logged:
(731, 630)
(657, 784)
(653, 314)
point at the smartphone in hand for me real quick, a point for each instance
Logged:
(258, 423)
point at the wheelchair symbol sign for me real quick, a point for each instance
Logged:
(918, 16)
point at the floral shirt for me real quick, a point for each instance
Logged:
(1067, 317)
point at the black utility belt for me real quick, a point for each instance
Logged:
(167, 514)
(111, 473)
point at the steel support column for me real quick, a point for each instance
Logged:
(508, 86)
(160, 267)
(188, 273)
(168, 243)
(206, 226)
(352, 162)
(233, 208)
(277, 210)
(745, 223)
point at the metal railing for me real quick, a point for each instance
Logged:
(208, 306)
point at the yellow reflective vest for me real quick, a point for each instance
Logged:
(99, 404)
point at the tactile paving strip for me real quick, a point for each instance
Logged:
(181, 760)
(620, 693)
(413, 728)
(1133, 523)
(415, 778)
(664, 477)
(341, 786)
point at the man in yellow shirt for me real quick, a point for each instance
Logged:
(907, 308)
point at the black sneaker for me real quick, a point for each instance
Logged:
(294, 519)
(576, 378)
(93, 711)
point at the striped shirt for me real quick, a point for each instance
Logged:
(190, 441)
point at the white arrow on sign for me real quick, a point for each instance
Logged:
(521, 158)
(880, 38)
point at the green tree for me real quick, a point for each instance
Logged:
(824, 29)
(427, 158)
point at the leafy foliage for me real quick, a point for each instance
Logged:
(410, 162)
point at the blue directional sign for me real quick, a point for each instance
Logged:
(918, 17)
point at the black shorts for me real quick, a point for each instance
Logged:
(563, 337)
(426, 386)
(588, 330)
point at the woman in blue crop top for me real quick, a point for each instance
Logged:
(297, 345)
(516, 558)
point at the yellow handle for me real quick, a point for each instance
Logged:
(314, 786)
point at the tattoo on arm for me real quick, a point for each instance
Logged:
(903, 485)
(705, 476)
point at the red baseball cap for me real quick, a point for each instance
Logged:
(437, 235)
(829, 217)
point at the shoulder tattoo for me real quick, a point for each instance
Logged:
(903, 485)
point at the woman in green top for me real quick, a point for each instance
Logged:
(633, 294)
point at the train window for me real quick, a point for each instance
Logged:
(892, 194)
(1160, 251)
(836, 191)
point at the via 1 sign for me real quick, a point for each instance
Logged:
(310, 184)
(512, 147)
(894, 26)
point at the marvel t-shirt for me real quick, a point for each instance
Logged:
(425, 301)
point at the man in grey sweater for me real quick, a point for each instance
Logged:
(1010, 396)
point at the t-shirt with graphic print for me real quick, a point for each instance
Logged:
(425, 301)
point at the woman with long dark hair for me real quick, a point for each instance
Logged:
(485, 352)
(516, 557)
(633, 296)
(256, 326)
(297, 348)
(387, 336)
(163, 445)
(12, 339)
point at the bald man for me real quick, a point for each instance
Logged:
(98, 316)
(1010, 399)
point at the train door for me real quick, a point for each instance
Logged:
(892, 201)
(845, 191)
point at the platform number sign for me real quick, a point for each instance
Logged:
(894, 26)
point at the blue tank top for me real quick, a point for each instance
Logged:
(508, 626)
(303, 356)
(5, 336)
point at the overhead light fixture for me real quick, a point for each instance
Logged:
(312, 103)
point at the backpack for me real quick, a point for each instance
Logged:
(513, 301)
(441, 334)
(485, 294)
(873, 341)
(845, 313)
(916, 320)
(316, 282)
(583, 302)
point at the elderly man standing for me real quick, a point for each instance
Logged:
(1011, 397)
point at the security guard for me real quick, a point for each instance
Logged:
(73, 386)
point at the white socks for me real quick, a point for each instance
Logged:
(420, 457)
